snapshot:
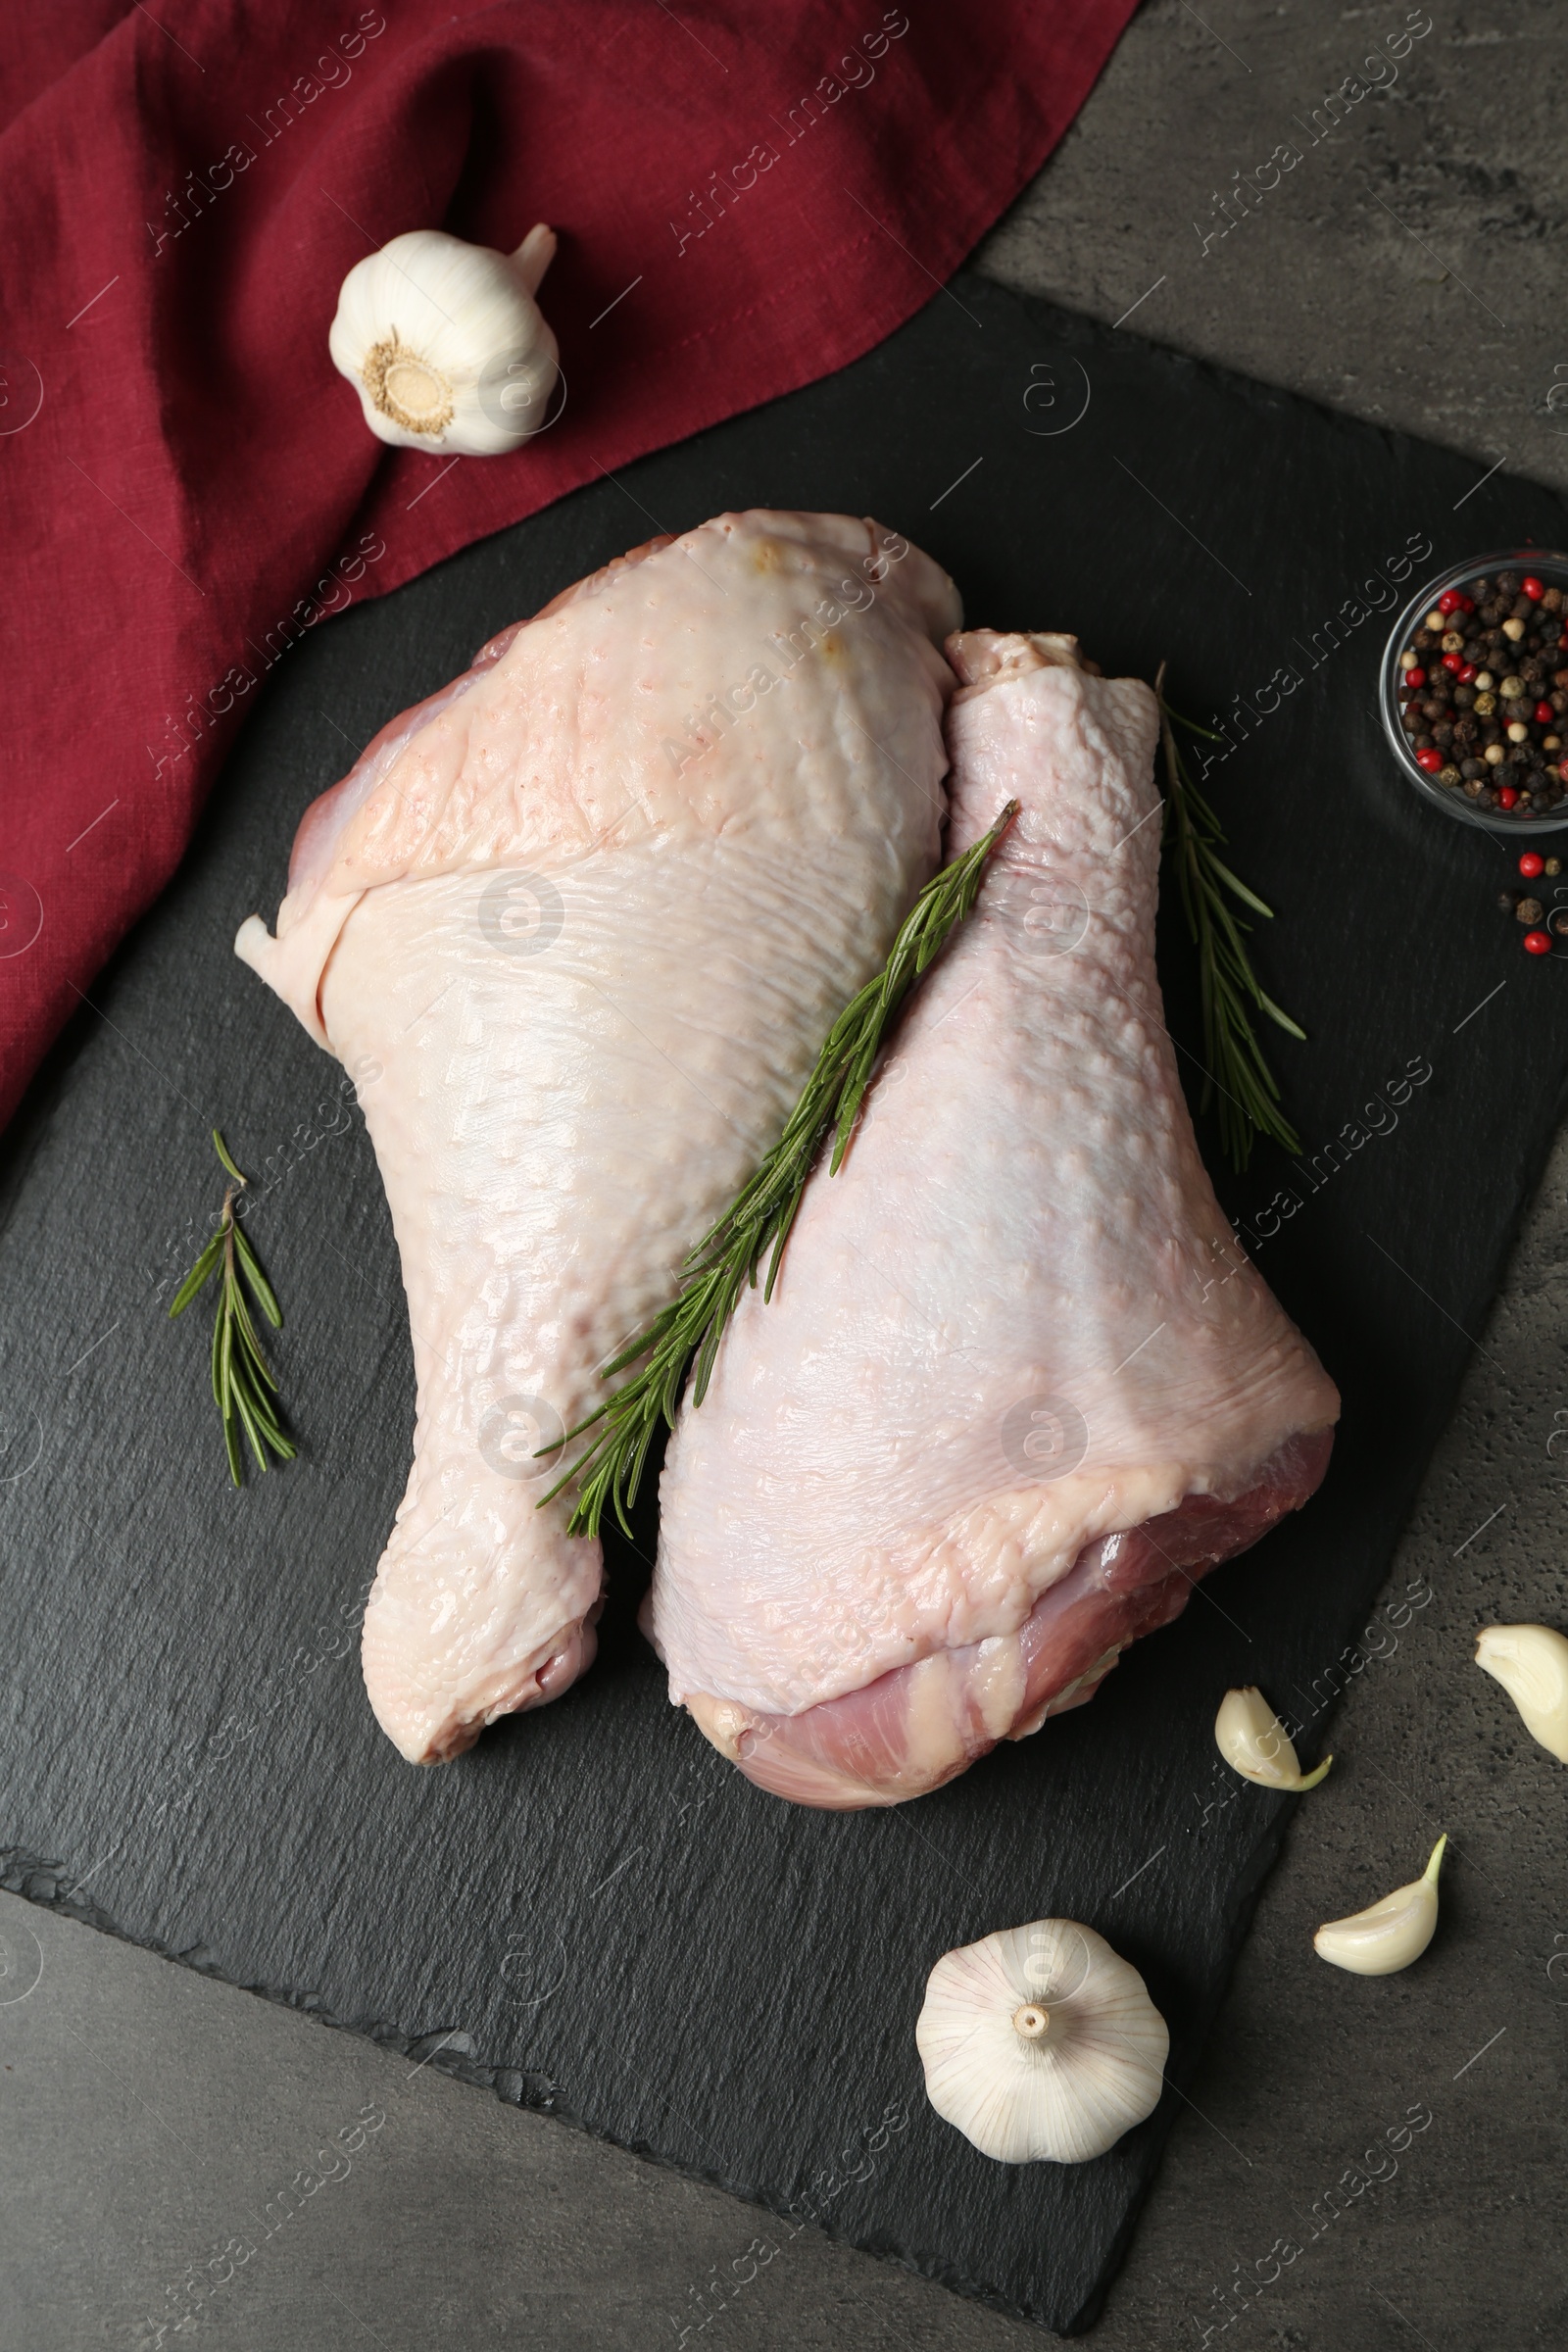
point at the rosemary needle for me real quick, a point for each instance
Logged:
(244, 1388)
(725, 1261)
(1236, 1067)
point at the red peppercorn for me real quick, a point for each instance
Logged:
(1533, 588)
(1507, 794)
(1449, 600)
(1531, 865)
(1562, 769)
(1415, 679)
(1454, 663)
(1467, 604)
(1538, 943)
(1545, 714)
(1466, 673)
(1431, 760)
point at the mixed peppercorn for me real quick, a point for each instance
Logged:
(1484, 694)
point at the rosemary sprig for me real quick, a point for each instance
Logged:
(763, 1212)
(244, 1388)
(1237, 1070)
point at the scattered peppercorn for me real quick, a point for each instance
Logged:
(1528, 912)
(1531, 865)
(1538, 943)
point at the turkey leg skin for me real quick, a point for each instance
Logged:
(1018, 1385)
(579, 926)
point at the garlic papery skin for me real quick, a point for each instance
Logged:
(1381, 1941)
(1041, 2042)
(445, 343)
(1255, 1744)
(1531, 1662)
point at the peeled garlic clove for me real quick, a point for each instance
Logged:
(1041, 2042)
(445, 343)
(1386, 1938)
(1531, 1662)
(1253, 1740)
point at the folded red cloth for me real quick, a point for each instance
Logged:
(746, 198)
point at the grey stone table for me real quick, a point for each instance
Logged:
(1402, 270)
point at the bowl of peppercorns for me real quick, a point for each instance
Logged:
(1475, 692)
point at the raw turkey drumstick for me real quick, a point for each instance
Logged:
(1018, 1387)
(580, 924)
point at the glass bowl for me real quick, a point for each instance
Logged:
(1551, 570)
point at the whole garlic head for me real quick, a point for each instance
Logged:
(1531, 1662)
(445, 343)
(1041, 2042)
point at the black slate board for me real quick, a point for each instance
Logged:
(591, 1912)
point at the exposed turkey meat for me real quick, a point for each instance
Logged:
(1018, 1387)
(580, 924)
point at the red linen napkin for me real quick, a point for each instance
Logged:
(746, 197)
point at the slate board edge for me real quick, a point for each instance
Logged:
(38, 1881)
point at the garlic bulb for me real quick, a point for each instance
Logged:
(1040, 2041)
(445, 343)
(1379, 1941)
(1531, 1662)
(1253, 1740)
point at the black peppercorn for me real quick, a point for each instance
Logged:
(1528, 912)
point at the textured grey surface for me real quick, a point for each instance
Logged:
(149, 2117)
(1407, 268)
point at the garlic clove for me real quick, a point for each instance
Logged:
(1531, 1662)
(1388, 1937)
(1041, 2042)
(1255, 1744)
(445, 343)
